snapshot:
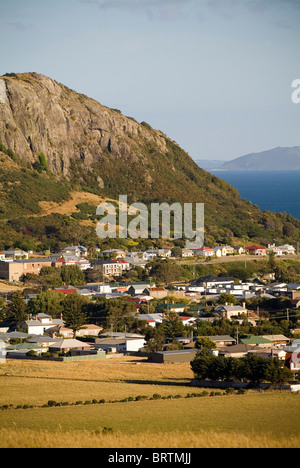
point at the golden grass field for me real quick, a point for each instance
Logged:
(269, 419)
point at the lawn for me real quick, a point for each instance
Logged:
(269, 419)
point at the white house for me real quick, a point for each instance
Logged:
(229, 311)
(220, 251)
(204, 252)
(187, 253)
(154, 253)
(287, 249)
(116, 253)
(74, 260)
(229, 250)
(39, 324)
(74, 250)
(239, 250)
(120, 345)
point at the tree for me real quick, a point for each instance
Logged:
(172, 326)
(118, 313)
(74, 312)
(17, 309)
(227, 298)
(72, 274)
(155, 340)
(272, 262)
(49, 302)
(2, 308)
(205, 344)
(164, 271)
(177, 252)
(277, 373)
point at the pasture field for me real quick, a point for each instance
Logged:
(268, 419)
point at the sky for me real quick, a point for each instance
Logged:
(214, 75)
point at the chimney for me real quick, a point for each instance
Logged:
(244, 305)
(61, 316)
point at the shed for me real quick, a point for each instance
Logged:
(182, 355)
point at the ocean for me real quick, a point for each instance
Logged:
(277, 191)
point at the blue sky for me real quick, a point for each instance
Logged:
(214, 75)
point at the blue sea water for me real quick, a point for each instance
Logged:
(277, 191)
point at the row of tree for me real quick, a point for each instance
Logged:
(251, 368)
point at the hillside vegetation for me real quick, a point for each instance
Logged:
(55, 141)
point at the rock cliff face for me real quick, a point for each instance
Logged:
(38, 115)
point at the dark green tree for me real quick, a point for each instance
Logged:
(74, 315)
(48, 302)
(72, 274)
(17, 309)
(155, 340)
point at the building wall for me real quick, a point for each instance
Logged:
(11, 271)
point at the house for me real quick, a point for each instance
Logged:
(296, 302)
(256, 250)
(136, 261)
(11, 271)
(229, 250)
(89, 330)
(151, 319)
(268, 353)
(276, 250)
(220, 251)
(108, 267)
(61, 330)
(198, 309)
(171, 307)
(120, 344)
(140, 255)
(42, 340)
(235, 351)
(66, 345)
(212, 281)
(154, 253)
(137, 289)
(114, 253)
(277, 339)
(185, 253)
(15, 254)
(222, 340)
(187, 321)
(239, 250)
(287, 249)
(229, 311)
(66, 290)
(124, 264)
(2, 256)
(204, 252)
(72, 260)
(292, 360)
(38, 324)
(15, 270)
(257, 341)
(74, 251)
(21, 349)
(156, 293)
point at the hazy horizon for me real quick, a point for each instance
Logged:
(214, 75)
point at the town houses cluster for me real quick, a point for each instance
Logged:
(192, 302)
(16, 263)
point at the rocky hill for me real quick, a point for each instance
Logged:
(56, 142)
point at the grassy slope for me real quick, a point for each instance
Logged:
(264, 420)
